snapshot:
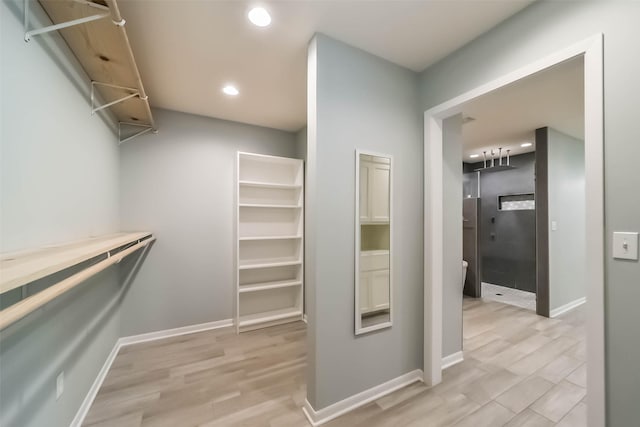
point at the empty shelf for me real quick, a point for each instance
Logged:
(269, 316)
(270, 238)
(268, 185)
(20, 268)
(267, 263)
(257, 205)
(269, 285)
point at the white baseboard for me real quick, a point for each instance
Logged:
(152, 336)
(324, 415)
(452, 359)
(93, 391)
(567, 307)
(135, 339)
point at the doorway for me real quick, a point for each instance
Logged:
(435, 258)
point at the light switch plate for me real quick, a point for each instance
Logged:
(625, 245)
(554, 225)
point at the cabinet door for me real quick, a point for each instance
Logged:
(365, 175)
(379, 288)
(365, 293)
(379, 192)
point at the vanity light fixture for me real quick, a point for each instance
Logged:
(526, 144)
(473, 156)
(259, 17)
(230, 90)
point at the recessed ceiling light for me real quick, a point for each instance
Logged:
(526, 144)
(230, 90)
(259, 17)
(473, 156)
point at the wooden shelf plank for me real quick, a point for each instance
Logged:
(269, 316)
(268, 286)
(20, 268)
(23, 308)
(269, 185)
(268, 263)
(102, 48)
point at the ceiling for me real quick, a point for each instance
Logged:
(188, 50)
(509, 116)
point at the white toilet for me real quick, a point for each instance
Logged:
(465, 264)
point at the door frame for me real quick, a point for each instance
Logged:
(592, 51)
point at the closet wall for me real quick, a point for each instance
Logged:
(58, 183)
(180, 183)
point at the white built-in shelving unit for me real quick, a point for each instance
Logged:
(269, 252)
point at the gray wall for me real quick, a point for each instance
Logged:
(508, 244)
(58, 183)
(540, 30)
(452, 231)
(301, 143)
(361, 101)
(180, 184)
(567, 261)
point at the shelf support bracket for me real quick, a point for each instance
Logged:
(95, 109)
(146, 129)
(30, 33)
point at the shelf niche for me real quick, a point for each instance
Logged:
(374, 237)
(270, 241)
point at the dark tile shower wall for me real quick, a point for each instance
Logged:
(507, 239)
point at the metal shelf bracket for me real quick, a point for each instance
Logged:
(30, 33)
(146, 129)
(95, 109)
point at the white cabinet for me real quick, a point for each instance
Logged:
(373, 237)
(270, 244)
(374, 189)
(374, 281)
(379, 288)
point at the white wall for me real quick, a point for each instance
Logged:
(567, 256)
(58, 183)
(537, 31)
(180, 184)
(357, 100)
(452, 231)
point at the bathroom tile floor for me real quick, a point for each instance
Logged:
(511, 296)
(520, 369)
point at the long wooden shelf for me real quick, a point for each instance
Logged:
(21, 309)
(103, 50)
(20, 268)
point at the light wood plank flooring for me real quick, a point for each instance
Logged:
(519, 370)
